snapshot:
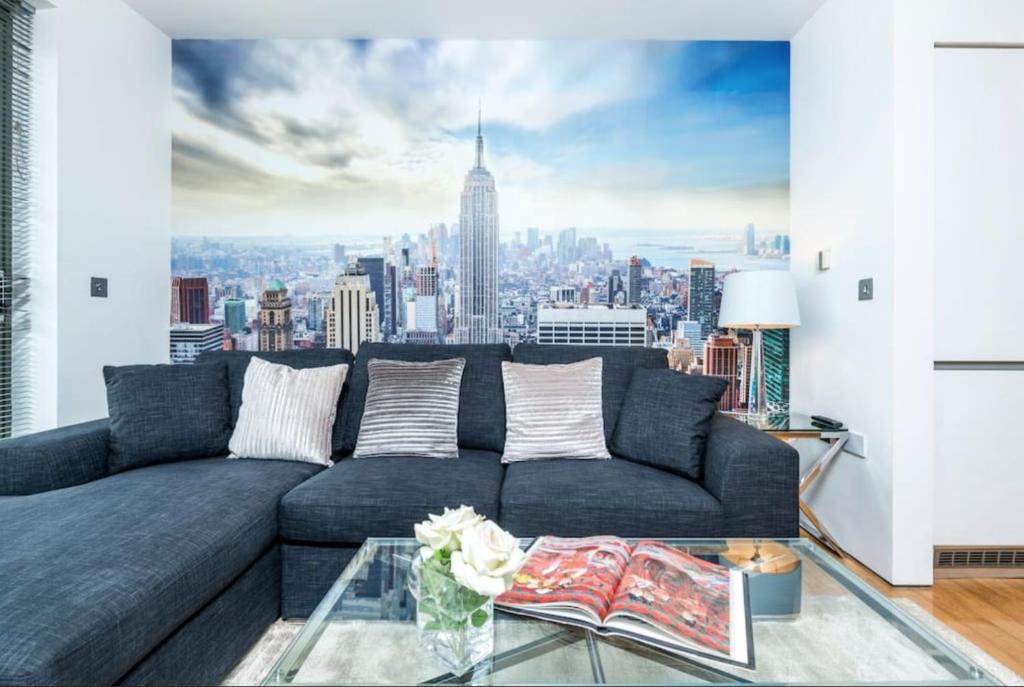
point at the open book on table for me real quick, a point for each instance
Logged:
(651, 593)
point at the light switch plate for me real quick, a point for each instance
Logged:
(865, 289)
(98, 287)
(824, 260)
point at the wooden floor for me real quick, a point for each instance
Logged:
(988, 612)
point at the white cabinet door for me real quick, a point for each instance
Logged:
(979, 214)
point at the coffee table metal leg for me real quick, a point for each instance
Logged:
(836, 444)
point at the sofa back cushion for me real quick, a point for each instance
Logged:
(666, 418)
(237, 363)
(481, 398)
(617, 371)
(163, 413)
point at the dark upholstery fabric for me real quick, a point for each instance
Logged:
(160, 413)
(618, 365)
(96, 576)
(238, 361)
(207, 647)
(54, 459)
(578, 498)
(308, 573)
(386, 496)
(665, 419)
(755, 476)
(481, 399)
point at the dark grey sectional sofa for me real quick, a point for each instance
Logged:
(167, 574)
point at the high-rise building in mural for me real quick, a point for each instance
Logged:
(175, 300)
(234, 315)
(751, 240)
(776, 367)
(193, 300)
(477, 318)
(614, 286)
(564, 294)
(276, 326)
(691, 331)
(424, 329)
(722, 359)
(352, 314)
(566, 246)
(591, 325)
(189, 340)
(635, 284)
(532, 239)
(374, 269)
(701, 300)
(316, 307)
(392, 299)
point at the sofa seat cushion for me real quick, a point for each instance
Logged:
(578, 498)
(384, 497)
(97, 575)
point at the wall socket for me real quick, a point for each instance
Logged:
(98, 287)
(857, 444)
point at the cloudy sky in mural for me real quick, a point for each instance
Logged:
(374, 137)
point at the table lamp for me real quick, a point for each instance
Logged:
(758, 300)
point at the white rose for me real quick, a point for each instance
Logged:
(444, 531)
(489, 559)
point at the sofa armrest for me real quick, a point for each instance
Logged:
(756, 477)
(54, 459)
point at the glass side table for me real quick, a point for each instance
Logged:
(790, 427)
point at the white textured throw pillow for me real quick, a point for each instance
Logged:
(287, 414)
(553, 411)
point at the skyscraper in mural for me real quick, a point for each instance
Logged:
(776, 368)
(193, 299)
(276, 318)
(352, 313)
(234, 314)
(635, 280)
(701, 302)
(477, 318)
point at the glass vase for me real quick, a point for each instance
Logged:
(454, 623)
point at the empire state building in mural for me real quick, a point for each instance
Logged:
(477, 316)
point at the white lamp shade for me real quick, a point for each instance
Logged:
(763, 299)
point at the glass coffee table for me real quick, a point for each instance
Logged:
(813, 622)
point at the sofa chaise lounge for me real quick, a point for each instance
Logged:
(168, 574)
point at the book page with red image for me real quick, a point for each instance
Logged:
(582, 573)
(677, 593)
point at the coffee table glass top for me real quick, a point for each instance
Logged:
(814, 622)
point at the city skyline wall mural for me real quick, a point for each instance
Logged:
(330, 192)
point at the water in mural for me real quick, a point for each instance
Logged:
(332, 192)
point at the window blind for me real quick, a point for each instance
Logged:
(15, 216)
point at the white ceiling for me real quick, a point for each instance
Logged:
(482, 19)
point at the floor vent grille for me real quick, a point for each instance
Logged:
(978, 561)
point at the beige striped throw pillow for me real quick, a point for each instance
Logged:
(553, 411)
(287, 414)
(412, 409)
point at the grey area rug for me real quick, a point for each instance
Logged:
(864, 647)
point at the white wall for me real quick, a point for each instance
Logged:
(856, 190)
(113, 188)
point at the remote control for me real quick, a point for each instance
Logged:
(827, 421)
